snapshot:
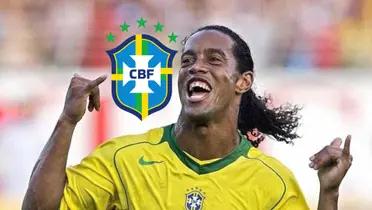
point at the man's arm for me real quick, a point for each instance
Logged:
(332, 163)
(48, 176)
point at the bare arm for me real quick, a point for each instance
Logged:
(48, 177)
(332, 163)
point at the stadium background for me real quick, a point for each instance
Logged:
(316, 53)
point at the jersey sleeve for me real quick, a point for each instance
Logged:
(90, 184)
(279, 183)
(293, 197)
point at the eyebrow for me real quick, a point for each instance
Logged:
(188, 52)
(218, 51)
(208, 51)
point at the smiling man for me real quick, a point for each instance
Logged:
(200, 162)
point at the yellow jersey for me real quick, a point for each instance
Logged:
(150, 171)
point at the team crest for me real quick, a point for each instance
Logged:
(141, 75)
(194, 199)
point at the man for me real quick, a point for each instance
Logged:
(200, 162)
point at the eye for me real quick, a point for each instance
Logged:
(215, 60)
(186, 60)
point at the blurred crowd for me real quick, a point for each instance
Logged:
(42, 42)
(300, 35)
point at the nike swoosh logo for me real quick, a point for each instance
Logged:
(143, 162)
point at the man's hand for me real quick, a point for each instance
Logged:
(48, 178)
(79, 91)
(332, 163)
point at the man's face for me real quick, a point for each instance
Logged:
(208, 73)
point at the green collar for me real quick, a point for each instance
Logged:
(240, 150)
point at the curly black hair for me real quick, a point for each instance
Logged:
(278, 122)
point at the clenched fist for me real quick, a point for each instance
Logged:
(79, 92)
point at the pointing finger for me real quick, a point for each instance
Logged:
(346, 149)
(96, 82)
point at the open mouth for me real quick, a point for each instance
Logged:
(198, 90)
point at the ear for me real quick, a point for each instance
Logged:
(244, 82)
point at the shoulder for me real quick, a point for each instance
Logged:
(110, 147)
(278, 179)
(153, 136)
(270, 163)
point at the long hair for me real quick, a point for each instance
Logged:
(278, 122)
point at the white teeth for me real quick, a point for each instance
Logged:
(199, 84)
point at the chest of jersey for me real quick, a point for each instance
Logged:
(162, 181)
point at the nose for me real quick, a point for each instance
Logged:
(198, 67)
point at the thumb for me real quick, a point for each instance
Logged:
(336, 142)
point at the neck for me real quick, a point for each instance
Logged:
(208, 139)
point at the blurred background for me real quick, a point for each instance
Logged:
(315, 53)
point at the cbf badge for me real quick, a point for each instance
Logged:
(194, 199)
(141, 75)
